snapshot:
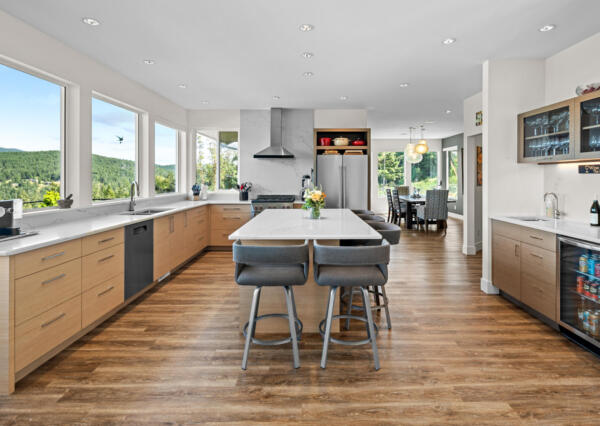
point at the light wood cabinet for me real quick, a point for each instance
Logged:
(103, 240)
(46, 257)
(224, 220)
(196, 228)
(101, 299)
(538, 279)
(163, 228)
(587, 126)
(506, 265)
(101, 265)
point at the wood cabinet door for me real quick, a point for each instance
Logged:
(506, 265)
(178, 252)
(538, 279)
(162, 245)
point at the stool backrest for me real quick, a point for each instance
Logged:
(375, 255)
(270, 255)
(389, 231)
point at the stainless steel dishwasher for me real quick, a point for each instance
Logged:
(139, 257)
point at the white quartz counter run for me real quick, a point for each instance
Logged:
(293, 224)
(65, 231)
(578, 230)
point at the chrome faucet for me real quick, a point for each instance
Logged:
(132, 191)
(554, 213)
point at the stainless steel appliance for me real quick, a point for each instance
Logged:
(345, 180)
(139, 257)
(10, 210)
(271, 201)
(579, 296)
(275, 148)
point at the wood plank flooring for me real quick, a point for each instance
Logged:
(454, 356)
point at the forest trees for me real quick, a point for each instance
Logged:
(390, 170)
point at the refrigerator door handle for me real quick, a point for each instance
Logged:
(341, 187)
(344, 185)
(578, 243)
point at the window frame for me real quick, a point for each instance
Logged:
(218, 159)
(64, 86)
(449, 151)
(138, 132)
(404, 175)
(178, 175)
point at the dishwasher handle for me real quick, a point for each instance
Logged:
(140, 229)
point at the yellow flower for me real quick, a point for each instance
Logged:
(315, 196)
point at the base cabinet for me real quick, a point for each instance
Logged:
(224, 220)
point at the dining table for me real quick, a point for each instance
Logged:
(410, 203)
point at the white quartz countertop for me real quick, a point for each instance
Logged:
(65, 231)
(577, 230)
(293, 224)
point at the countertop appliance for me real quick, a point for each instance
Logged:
(9, 211)
(272, 201)
(345, 180)
(139, 257)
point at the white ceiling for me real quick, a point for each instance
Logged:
(240, 53)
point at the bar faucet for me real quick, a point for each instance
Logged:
(132, 191)
(552, 211)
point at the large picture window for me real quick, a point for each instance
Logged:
(31, 141)
(165, 159)
(217, 159)
(390, 171)
(424, 175)
(452, 173)
(114, 136)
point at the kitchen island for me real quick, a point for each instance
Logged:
(284, 227)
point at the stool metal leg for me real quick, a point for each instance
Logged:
(251, 325)
(256, 315)
(292, 320)
(386, 305)
(370, 328)
(329, 318)
(349, 309)
(298, 336)
(377, 302)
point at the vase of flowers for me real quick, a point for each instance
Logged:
(244, 189)
(314, 201)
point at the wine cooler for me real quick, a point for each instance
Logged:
(580, 289)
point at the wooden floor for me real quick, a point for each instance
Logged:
(454, 356)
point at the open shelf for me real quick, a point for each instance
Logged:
(583, 296)
(323, 148)
(595, 126)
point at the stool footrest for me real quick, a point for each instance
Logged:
(347, 342)
(299, 327)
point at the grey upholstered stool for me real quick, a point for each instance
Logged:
(272, 266)
(371, 217)
(391, 233)
(358, 211)
(348, 267)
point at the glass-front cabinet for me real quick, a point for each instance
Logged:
(546, 134)
(587, 116)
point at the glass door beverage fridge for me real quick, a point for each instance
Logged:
(579, 298)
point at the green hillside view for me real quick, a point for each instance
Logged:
(35, 177)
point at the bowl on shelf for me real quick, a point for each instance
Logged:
(341, 141)
(358, 142)
(588, 88)
(325, 141)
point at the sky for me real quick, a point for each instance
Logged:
(30, 120)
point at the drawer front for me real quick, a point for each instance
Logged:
(538, 279)
(506, 269)
(230, 208)
(220, 237)
(197, 212)
(101, 299)
(97, 242)
(98, 267)
(507, 230)
(40, 334)
(36, 293)
(541, 239)
(229, 221)
(47, 257)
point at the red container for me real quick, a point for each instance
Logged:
(325, 141)
(358, 142)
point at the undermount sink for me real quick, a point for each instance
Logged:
(530, 218)
(146, 212)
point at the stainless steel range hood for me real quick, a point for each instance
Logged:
(275, 149)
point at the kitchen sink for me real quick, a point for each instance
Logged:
(146, 212)
(529, 218)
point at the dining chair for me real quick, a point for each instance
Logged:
(434, 209)
(403, 190)
(391, 211)
(399, 207)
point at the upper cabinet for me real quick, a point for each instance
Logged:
(565, 131)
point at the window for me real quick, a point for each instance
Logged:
(390, 171)
(165, 159)
(114, 137)
(218, 165)
(31, 129)
(424, 174)
(452, 173)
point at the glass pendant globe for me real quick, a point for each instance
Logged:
(422, 147)
(410, 148)
(414, 157)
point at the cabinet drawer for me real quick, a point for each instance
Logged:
(36, 293)
(538, 279)
(197, 212)
(101, 241)
(541, 239)
(220, 237)
(35, 337)
(230, 208)
(98, 267)
(101, 299)
(47, 257)
(229, 221)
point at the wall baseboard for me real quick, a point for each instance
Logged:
(455, 215)
(487, 287)
(471, 250)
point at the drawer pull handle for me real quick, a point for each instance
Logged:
(537, 255)
(53, 256)
(102, 293)
(106, 240)
(536, 238)
(231, 209)
(104, 259)
(233, 218)
(58, 277)
(52, 321)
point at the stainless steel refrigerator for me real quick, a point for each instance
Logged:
(345, 180)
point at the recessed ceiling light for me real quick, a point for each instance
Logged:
(404, 85)
(428, 122)
(204, 102)
(306, 27)
(547, 28)
(276, 98)
(449, 40)
(182, 86)
(448, 111)
(308, 74)
(91, 21)
(343, 98)
(149, 61)
(307, 55)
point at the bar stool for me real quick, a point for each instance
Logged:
(391, 233)
(271, 266)
(349, 267)
(372, 217)
(358, 211)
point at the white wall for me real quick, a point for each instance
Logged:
(32, 49)
(214, 119)
(472, 230)
(565, 71)
(509, 87)
(276, 175)
(340, 118)
(379, 205)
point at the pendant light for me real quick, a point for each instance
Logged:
(421, 146)
(410, 147)
(412, 156)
